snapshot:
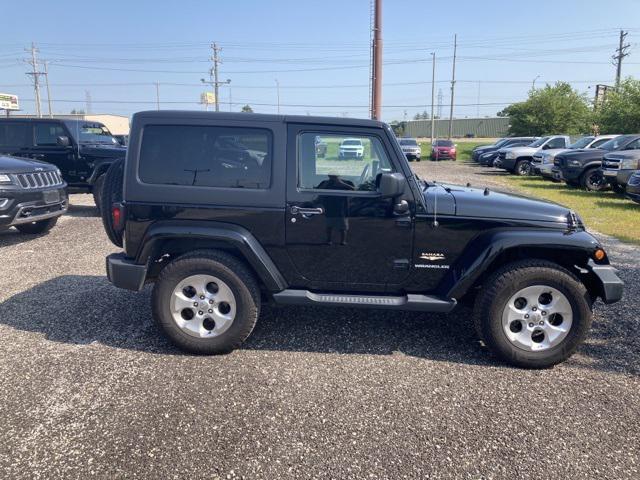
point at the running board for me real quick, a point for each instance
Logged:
(423, 303)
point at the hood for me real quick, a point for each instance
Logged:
(521, 151)
(473, 202)
(103, 151)
(23, 165)
(485, 149)
(585, 153)
(626, 155)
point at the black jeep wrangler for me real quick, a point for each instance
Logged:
(82, 150)
(224, 211)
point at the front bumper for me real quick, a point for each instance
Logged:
(412, 155)
(571, 174)
(620, 177)
(123, 272)
(350, 154)
(611, 287)
(31, 205)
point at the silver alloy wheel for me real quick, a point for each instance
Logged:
(203, 306)
(537, 318)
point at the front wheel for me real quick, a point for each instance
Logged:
(533, 314)
(522, 168)
(593, 180)
(206, 302)
(37, 227)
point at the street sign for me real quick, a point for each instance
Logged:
(208, 98)
(9, 102)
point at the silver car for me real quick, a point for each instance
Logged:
(410, 148)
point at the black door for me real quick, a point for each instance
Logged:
(46, 148)
(340, 232)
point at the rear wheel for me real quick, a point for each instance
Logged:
(112, 193)
(206, 302)
(37, 227)
(593, 180)
(533, 314)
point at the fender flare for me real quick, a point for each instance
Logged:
(481, 252)
(100, 168)
(218, 233)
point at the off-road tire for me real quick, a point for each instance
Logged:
(112, 193)
(230, 270)
(96, 190)
(37, 227)
(508, 280)
(586, 180)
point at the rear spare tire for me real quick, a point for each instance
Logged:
(112, 193)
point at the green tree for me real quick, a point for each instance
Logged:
(247, 109)
(620, 112)
(399, 128)
(550, 110)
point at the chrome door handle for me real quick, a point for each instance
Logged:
(306, 212)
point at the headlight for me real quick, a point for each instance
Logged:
(574, 163)
(629, 164)
(5, 179)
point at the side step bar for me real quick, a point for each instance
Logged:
(423, 303)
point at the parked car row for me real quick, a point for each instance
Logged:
(591, 162)
(440, 149)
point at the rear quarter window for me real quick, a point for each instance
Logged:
(206, 156)
(16, 134)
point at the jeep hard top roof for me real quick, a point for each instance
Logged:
(255, 117)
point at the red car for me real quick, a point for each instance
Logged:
(443, 150)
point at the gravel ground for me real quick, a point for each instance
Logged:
(88, 386)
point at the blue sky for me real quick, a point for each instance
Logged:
(318, 51)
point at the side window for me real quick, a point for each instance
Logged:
(47, 133)
(556, 143)
(206, 156)
(15, 135)
(340, 162)
(635, 145)
(597, 143)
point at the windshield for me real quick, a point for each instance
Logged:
(501, 142)
(409, 142)
(616, 143)
(91, 133)
(539, 142)
(582, 143)
(352, 142)
(444, 143)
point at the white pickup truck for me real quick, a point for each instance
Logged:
(518, 159)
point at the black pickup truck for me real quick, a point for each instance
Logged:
(225, 211)
(82, 150)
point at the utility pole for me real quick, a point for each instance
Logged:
(213, 76)
(376, 98)
(533, 84)
(453, 84)
(157, 95)
(433, 94)
(35, 74)
(46, 77)
(87, 100)
(278, 94)
(440, 100)
(621, 52)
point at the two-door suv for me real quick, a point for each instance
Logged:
(225, 211)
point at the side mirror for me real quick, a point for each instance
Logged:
(63, 141)
(391, 184)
